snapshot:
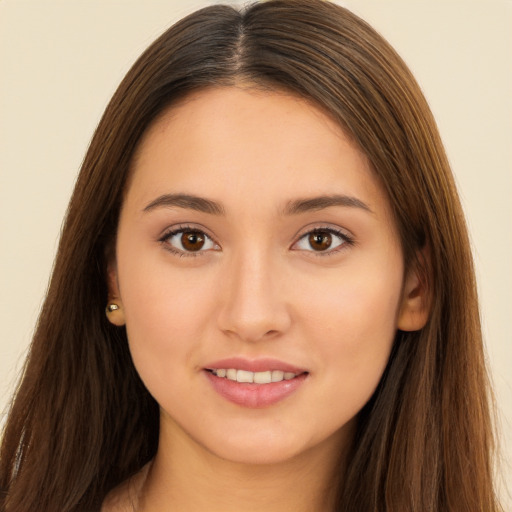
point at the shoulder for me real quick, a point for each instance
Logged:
(125, 497)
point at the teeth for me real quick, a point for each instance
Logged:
(253, 377)
(243, 376)
(263, 377)
(277, 376)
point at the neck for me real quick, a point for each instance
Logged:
(186, 476)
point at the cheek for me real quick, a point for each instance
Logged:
(353, 323)
(165, 319)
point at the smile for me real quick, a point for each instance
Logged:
(255, 389)
(245, 376)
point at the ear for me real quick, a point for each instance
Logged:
(114, 309)
(416, 296)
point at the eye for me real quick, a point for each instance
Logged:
(322, 240)
(188, 240)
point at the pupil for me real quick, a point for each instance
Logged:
(320, 241)
(192, 240)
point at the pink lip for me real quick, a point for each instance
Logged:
(256, 365)
(255, 395)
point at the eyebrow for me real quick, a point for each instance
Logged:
(188, 201)
(294, 207)
(322, 202)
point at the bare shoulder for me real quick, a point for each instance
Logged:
(125, 497)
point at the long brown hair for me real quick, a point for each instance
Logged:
(82, 422)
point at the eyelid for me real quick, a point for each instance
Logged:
(174, 230)
(348, 239)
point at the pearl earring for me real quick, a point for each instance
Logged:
(112, 307)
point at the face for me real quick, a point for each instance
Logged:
(255, 243)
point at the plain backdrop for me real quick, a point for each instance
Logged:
(60, 61)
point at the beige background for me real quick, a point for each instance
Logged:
(60, 61)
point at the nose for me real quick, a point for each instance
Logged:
(252, 301)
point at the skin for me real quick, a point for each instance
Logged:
(257, 289)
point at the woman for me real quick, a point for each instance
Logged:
(264, 295)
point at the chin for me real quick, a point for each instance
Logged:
(270, 445)
(256, 453)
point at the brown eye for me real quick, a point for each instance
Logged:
(323, 241)
(189, 241)
(320, 240)
(192, 240)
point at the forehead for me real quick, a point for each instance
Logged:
(263, 143)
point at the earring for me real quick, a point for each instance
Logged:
(115, 314)
(112, 307)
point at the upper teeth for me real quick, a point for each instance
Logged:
(254, 377)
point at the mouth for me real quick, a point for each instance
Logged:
(255, 384)
(248, 377)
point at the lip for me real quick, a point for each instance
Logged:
(255, 396)
(255, 365)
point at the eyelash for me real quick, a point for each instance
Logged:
(182, 229)
(346, 240)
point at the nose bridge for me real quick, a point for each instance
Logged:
(254, 305)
